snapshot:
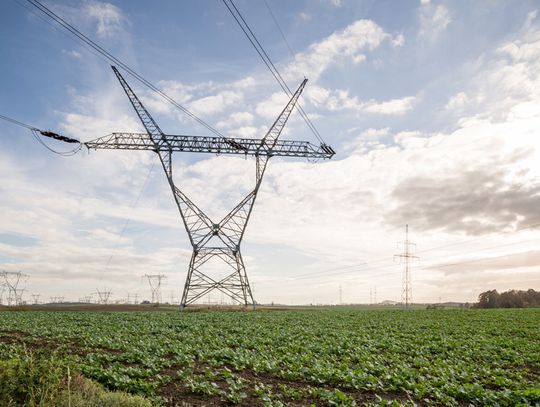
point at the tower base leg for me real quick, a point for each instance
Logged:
(234, 285)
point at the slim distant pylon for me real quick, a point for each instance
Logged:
(132, 298)
(154, 280)
(406, 258)
(373, 295)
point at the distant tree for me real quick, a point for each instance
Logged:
(488, 299)
(509, 299)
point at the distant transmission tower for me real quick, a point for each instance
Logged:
(340, 295)
(36, 298)
(87, 299)
(406, 258)
(132, 298)
(154, 280)
(12, 280)
(2, 290)
(103, 296)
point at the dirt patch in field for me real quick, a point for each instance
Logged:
(39, 343)
(533, 372)
(177, 394)
(177, 391)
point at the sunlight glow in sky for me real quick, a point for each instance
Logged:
(433, 108)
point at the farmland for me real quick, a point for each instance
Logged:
(294, 357)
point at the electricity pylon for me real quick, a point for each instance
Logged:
(103, 296)
(154, 281)
(211, 239)
(36, 298)
(406, 258)
(132, 298)
(12, 280)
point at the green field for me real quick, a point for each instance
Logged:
(290, 357)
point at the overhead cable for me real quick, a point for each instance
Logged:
(359, 266)
(18, 123)
(118, 62)
(37, 132)
(279, 28)
(244, 26)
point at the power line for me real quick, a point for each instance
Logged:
(18, 123)
(244, 26)
(118, 62)
(428, 267)
(279, 28)
(34, 130)
(127, 221)
(385, 259)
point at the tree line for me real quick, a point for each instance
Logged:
(509, 299)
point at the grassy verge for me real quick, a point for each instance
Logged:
(44, 378)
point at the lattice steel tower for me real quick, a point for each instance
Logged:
(406, 258)
(11, 281)
(154, 281)
(211, 239)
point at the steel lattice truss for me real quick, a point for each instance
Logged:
(209, 239)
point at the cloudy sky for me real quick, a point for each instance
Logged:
(432, 106)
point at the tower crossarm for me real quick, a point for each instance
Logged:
(271, 137)
(215, 145)
(154, 132)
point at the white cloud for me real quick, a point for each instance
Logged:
(358, 59)
(317, 94)
(367, 140)
(304, 16)
(210, 105)
(434, 19)
(531, 16)
(375, 133)
(72, 53)
(246, 132)
(271, 107)
(340, 100)
(349, 43)
(336, 3)
(398, 40)
(458, 101)
(109, 19)
(391, 107)
(236, 119)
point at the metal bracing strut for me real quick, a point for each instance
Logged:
(209, 239)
